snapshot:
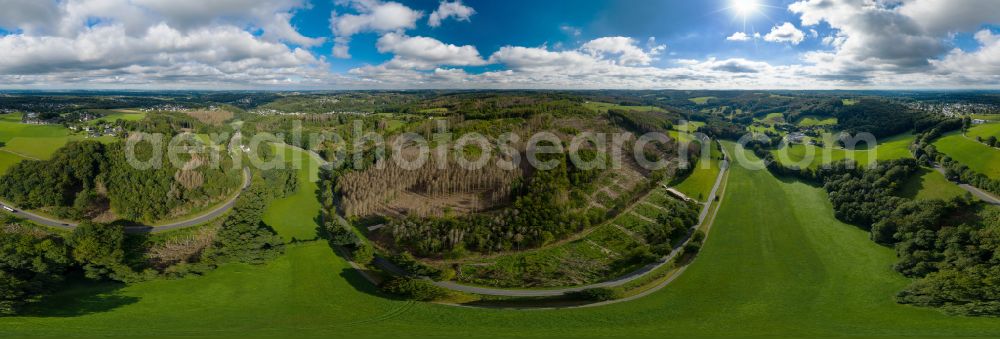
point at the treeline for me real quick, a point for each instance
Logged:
(884, 118)
(924, 149)
(85, 178)
(951, 248)
(35, 262)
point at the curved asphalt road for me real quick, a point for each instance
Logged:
(982, 195)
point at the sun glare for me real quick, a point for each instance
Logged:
(744, 7)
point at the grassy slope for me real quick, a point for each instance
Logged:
(929, 184)
(985, 131)
(698, 185)
(38, 141)
(810, 121)
(294, 217)
(603, 107)
(891, 148)
(977, 156)
(701, 100)
(7, 160)
(776, 264)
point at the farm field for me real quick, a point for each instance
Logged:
(896, 147)
(7, 160)
(984, 131)
(773, 119)
(24, 141)
(928, 184)
(112, 115)
(31, 141)
(812, 121)
(698, 184)
(988, 117)
(294, 217)
(603, 107)
(701, 100)
(777, 264)
(977, 156)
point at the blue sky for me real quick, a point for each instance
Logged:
(349, 44)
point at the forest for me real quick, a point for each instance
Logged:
(87, 178)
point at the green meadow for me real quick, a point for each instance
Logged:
(603, 107)
(701, 100)
(776, 264)
(29, 141)
(294, 217)
(929, 184)
(111, 115)
(698, 184)
(984, 131)
(890, 148)
(976, 155)
(24, 141)
(812, 121)
(7, 160)
(773, 119)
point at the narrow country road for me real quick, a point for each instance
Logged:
(982, 195)
(724, 167)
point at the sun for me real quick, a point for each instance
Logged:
(744, 7)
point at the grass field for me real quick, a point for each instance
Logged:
(984, 131)
(294, 217)
(7, 160)
(112, 115)
(977, 156)
(777, 264)
(698, 185)
(603, 107)
(811, 121)
(890, 148)
(36, 141)
(701, 100)
(988, 117)
(773, 119)
(928, 184)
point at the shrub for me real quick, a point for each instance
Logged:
(595, 294)
(416, 289)
(364, 254)
(100, 249)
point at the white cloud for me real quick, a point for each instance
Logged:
(372, 16)
(570, 30)
(426, 53)
(983, 63)
(787, 32)
(941, 17)
(450, 10)
(143, 42)
(738, 36)
(872, 36)
(625, 48)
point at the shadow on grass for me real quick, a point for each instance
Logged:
(356, 280)
(79, 298)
